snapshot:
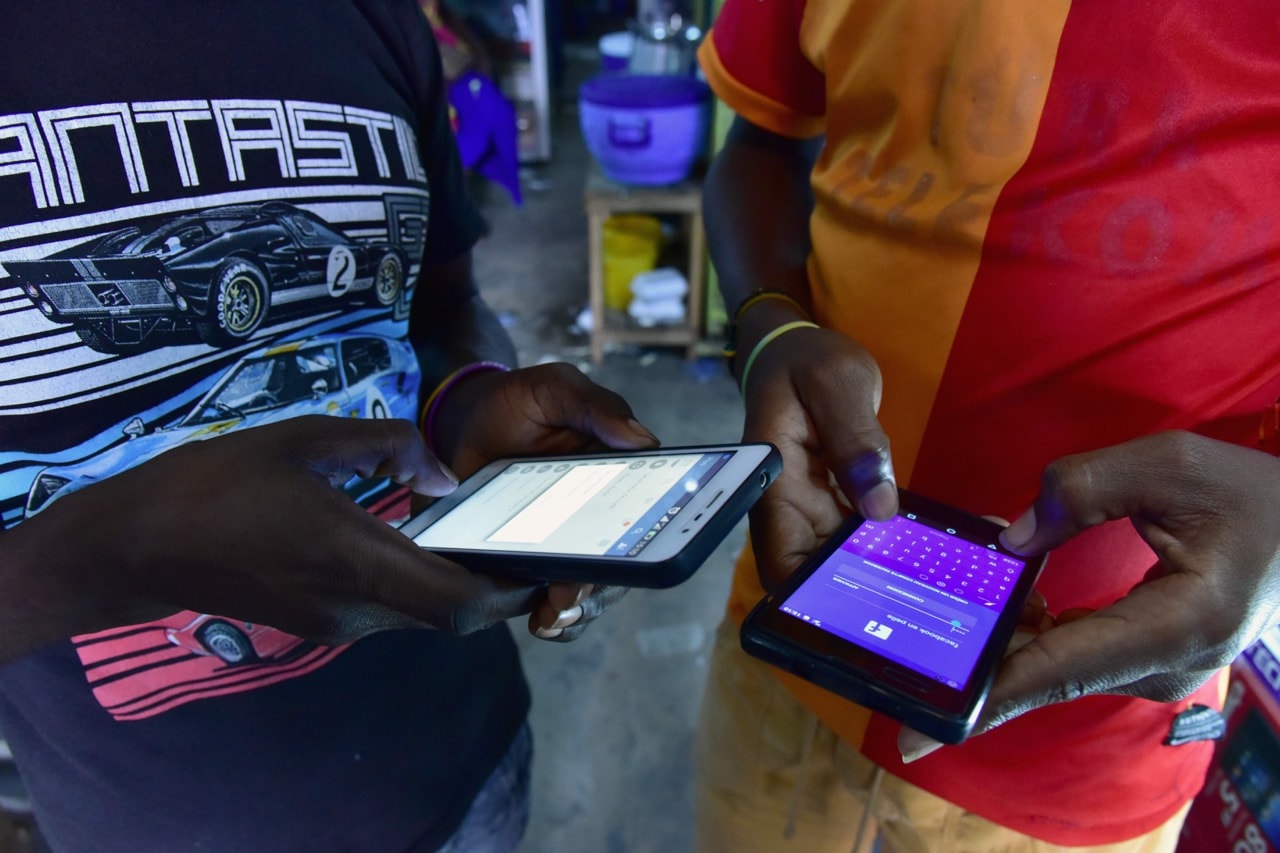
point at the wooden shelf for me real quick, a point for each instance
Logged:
(603, 198)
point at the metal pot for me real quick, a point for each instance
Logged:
(665, 46)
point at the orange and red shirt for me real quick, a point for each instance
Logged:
(1052, 225)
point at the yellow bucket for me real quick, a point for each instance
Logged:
(631, 245)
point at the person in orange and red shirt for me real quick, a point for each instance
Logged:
(986, 237)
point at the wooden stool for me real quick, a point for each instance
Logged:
(603, 198)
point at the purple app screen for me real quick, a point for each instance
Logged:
(911, 592)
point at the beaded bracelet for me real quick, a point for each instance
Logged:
(765, 341)
(731, 344)
(431, 408)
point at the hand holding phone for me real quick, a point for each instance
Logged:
(645, 518)
(909, 617)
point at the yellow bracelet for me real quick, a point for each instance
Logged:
(765, 341)
(760, 296)
(731, 345)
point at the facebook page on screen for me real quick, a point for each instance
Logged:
(913, 593)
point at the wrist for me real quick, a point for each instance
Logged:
(759, 320)
(744, 325)
(434, 422)
(764, 342)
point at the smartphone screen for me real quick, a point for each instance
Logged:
(597, 506)
(912, 591)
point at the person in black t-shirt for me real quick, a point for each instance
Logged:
(209, 635)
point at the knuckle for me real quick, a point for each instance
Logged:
(468, 617)
(557, 374)
(1181, 449)
(1064, 686)
(326, 628)
(599, 601)
(563, 370)
(315, 429)
(1067, 483)
(399, 431)
(1057, 478)
(1069, 691)
(872, 461)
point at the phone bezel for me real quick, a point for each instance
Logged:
(670, 557)
(877, 682)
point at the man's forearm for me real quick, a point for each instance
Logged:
(451, 325)
(757, 204)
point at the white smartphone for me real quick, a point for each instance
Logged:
(644, 518)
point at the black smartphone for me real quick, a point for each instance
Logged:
(644, 518)
(909, 617)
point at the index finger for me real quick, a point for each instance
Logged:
(373, 562)
(1146, 476)
(1135, 647)
(339, 448)
(572, 400)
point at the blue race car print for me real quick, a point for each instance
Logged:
(219, 272)
(368, 376)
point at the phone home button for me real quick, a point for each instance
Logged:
(908, 679)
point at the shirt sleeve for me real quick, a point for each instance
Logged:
(454, 224)
(754, 62)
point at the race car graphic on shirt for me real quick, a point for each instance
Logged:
(233, 641)
(217, 274)
(177, 270)
(345, 375)
(141, 670)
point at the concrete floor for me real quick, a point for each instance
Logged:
(614, 712)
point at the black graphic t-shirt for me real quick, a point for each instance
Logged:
(215, 216)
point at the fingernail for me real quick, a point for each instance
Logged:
(567, 617)
(640, 428)
(880, 502)
(548, 633)
(915, 746)
(446, 473)
(583, 591)
(1018, 534)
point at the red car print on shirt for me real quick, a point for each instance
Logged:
(233, 642)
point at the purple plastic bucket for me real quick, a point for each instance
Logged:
(644, 129)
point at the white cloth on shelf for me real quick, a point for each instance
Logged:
(658, 296)
(650, 312)
(662, 283)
